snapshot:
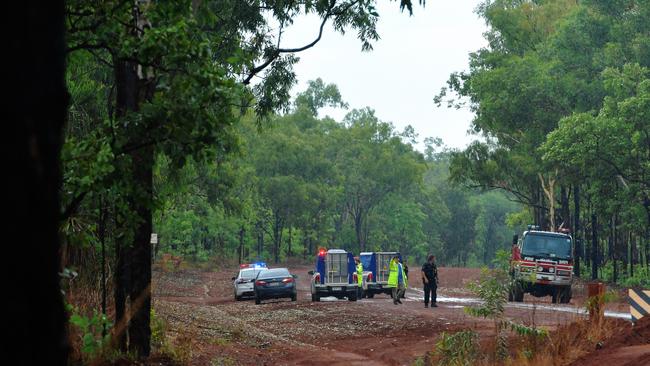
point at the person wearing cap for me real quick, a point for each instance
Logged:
(430, 281)
(397, 279)
(359, 277)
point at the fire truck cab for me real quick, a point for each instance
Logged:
(541, 265)
(375, 272)
(335, 275)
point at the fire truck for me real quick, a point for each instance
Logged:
(335, 275)
(375, 272)
(542, 264)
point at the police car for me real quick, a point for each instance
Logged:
(243, 283)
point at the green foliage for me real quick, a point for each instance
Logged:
(561, 100)
(458, 349)
(501, 260)
(93, 343)
(492, 288)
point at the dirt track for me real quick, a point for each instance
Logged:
(202, 313)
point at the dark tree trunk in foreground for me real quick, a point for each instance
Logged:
(140, 291)
(33, 125)
(136, 260)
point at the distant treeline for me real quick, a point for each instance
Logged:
(304, 182)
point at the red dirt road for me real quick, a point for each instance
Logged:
(202, 315)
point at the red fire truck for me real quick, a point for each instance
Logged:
(541, 265)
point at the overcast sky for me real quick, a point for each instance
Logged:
(408, 66)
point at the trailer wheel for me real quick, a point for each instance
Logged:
(352, 297)
(370, 294)
(315, 297)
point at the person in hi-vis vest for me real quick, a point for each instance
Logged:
(397, 279)
(359, 277)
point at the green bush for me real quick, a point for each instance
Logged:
(93, 342)
(458, 349)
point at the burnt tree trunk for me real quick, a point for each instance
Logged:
(36, 108)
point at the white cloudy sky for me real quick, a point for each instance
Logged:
(407, 67)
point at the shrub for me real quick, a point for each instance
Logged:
(458, 349)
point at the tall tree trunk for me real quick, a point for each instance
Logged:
(139, 254)
(34, 118)
(241, 243)
(121, 278)
(611, 245)
(260, 241)
(140, 291)
(576, 229)
(594, 246)
(358, 229)
(289, 241)
(103, 211)
(632, 244)
(565, 210)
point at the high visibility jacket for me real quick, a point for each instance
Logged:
(360, 274)
(393, 276)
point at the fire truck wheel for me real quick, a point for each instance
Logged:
(556, 295)
(565, 295)
(517, 292)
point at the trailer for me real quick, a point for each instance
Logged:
(375, 272)
(334, 275)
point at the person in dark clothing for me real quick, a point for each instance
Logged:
(430, 281)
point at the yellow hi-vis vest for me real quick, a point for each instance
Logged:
(360, 274)
(393, 276)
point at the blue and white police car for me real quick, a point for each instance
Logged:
(243, 283)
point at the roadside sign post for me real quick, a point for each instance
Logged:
(154, 243)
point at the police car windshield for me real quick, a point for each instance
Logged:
(547, 246)
(275, 272)
(249, 273)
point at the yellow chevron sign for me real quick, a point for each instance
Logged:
(639, 304)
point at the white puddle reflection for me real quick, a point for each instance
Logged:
(562, 308)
